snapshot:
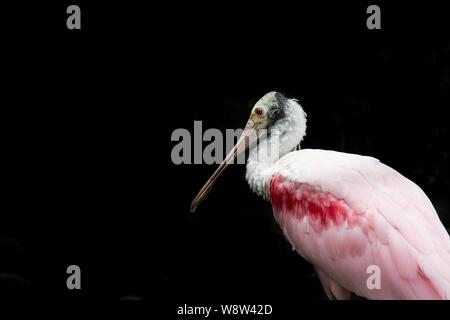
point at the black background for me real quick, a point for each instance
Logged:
(88, 114)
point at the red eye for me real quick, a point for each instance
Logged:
(259, 111)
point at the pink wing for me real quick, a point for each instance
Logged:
(344, 213)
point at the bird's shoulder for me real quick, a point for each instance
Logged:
(323, 166)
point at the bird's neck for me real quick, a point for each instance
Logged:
(285, 136)
(262, 159)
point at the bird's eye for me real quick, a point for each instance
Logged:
(259, 112)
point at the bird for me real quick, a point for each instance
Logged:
(346, 214)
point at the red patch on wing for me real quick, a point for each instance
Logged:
(300, 199)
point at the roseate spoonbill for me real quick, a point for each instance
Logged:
(343, 212)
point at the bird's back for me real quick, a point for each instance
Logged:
(346, 212)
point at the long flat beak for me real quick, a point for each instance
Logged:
(248, 138)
